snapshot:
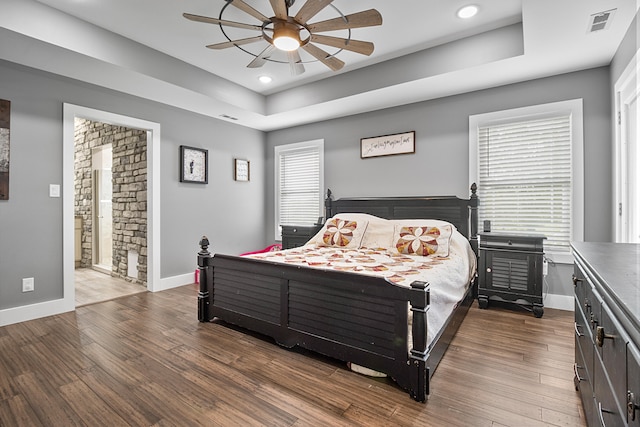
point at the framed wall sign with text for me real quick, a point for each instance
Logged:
(386, 145)
(194, 164)
(241, 170)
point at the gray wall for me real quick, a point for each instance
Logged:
(440, 165)
(31, 222)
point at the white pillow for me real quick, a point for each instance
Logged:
(423, 238)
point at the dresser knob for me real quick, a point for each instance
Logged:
(488, 269)
(631, 405)
(601, 336)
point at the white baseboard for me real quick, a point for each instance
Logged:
(24, 313)
(175, 281)
(560, 302)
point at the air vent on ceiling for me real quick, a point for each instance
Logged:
(600, 21)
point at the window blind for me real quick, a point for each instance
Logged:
(525, 177)
(300, 187)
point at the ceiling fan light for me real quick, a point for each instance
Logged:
(286, 43)
(286, 36)
(467, 12)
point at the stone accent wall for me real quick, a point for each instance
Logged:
(129, 176)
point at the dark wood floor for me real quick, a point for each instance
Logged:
(144, 360)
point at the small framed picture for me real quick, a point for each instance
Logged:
(241, 170)
(194, 165)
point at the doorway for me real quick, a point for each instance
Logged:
(152, 130)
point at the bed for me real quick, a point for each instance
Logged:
(363, 319)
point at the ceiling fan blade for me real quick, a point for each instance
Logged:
(367, 18)
(233, 43)
(330, 61)
(209, 20)
(295, 62)
(250, 10)
(262, 58)
(311, 9)
(358, 46)
(280, 9)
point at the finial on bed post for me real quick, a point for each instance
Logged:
(419, 300)
(206, 276)
(473, 217)
(328, 205)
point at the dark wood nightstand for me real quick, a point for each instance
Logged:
(511, 269)
(297, 235)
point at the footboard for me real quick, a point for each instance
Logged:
(350, 317)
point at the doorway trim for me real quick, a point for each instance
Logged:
(70, 113)
(630, 75)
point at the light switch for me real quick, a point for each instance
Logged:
(54, 190)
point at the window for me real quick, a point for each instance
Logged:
(527, 163)
(299, 170)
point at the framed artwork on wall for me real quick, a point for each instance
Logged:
(241, 170)
(194, 165)
(386, 145)
(5, 115)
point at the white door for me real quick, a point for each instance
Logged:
(627, 155)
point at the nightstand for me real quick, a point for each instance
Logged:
(511, 269)
(297, 235)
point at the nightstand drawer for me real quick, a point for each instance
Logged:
(297, 235)
(512, 242)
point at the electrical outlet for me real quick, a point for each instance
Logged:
(545, 267)
(27, 284)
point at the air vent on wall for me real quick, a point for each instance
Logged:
(600, 21)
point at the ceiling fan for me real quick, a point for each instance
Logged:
(291, 33)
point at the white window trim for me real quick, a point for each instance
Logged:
(574, 107)
(289, 147)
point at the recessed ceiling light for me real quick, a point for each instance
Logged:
(265, 79)
(467, 12)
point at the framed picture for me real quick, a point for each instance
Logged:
(194, 165)
(5, 119)
(386, 145)
(241, 170)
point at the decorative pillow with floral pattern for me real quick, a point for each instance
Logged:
(423, 240)
(343, 233)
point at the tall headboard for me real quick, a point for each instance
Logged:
(463, 213)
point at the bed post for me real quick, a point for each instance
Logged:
(419, 372)
(206, 278)
(473, 214)
(328, 205)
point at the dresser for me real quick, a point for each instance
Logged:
(511, 269)
(607, 332)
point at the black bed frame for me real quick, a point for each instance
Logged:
(343, 315)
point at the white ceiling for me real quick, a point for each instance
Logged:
(416, 55)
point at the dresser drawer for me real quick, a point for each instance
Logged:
(606, 408)
(582, 380)
(633, 387)
(584, 343)
(611, 343)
